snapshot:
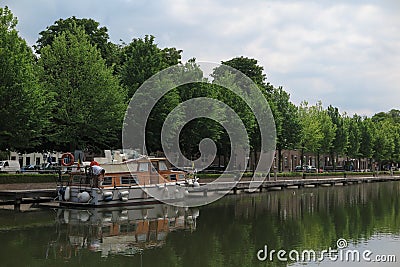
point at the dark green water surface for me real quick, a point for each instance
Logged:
(229, 232)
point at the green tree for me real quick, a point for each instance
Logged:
(157, 117)
(254, 71)
(251, 68)
(23, 102)
(237, 100)
(200, 128)
(396, 140)
(286, 122)
(97, 36)
(88, 104)
(340, 140)
(354, 133)
(380, 116)
(367, 138)
(311, 130)
(328, 129)
(386, 143)
(394, 114)
(383, 144)
(141, 59)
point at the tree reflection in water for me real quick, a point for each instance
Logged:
(228, 232)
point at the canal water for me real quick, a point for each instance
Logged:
(356, 225)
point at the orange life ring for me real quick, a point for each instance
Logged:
(93, 163)
(70, 157)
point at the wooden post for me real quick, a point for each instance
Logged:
(17, 204)
(205, 193)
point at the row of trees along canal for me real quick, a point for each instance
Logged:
(72, 91)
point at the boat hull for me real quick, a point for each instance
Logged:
(119, 196)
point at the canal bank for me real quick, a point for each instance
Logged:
(17, 194)
(45, 181)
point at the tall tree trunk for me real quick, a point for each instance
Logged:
(255, 160)
(335, 162)
(279, 159)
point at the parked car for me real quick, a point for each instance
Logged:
(28, 168)
(7, 166)
(338, 168)
(31, 168)
(298, 169)
(49, 168)
(305, 168)
(213, 169)
(310, 168)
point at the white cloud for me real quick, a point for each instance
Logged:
(345, 53)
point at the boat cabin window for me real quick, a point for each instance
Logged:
(161, 236)
(142, 237)
(143, 166)
(155, 165)
(127, 228)
(107, 181)
(172, 177)
(162, 166)
(153, 169)
(133, 166)
(153, 235)
(131, 180)
(106, 229)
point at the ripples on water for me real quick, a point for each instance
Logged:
(228, 232)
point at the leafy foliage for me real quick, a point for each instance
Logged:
(23, 102)
(200, 128)
(88, 103)
(141, 59)
(97, 36)
(311, 134)
(286, 121)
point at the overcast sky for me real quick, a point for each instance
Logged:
(344, 53)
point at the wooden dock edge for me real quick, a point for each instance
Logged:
(18, 197)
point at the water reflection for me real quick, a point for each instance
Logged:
(303, 219)
(117, 231)
(228, 232)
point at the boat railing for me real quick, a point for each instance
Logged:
(82, 176)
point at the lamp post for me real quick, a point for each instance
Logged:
(302, 160)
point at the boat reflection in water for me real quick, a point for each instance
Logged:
(120, 231)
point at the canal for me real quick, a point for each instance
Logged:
(276, 228)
